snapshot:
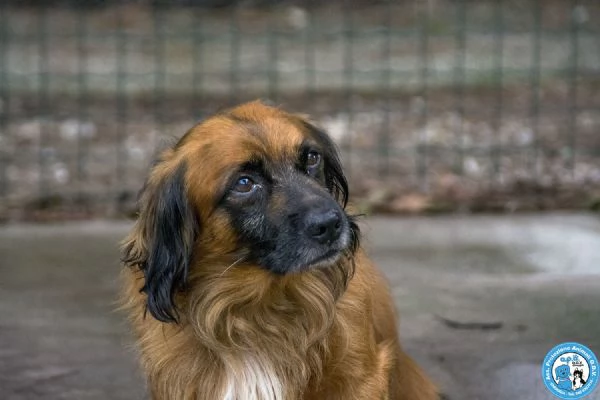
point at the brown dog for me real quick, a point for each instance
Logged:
(246, 279)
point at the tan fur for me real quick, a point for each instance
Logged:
(245, 333)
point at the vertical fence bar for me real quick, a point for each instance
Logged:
(386, 83)
(234, 68)
(496, 145)
(82, 104)
(310, 59)
(4, 98)
(198, 62)
(459, 80)
(534, 83)
(160, 72)
(272, 68)
(422, 162)
(121, 110)
(573, 86)
(42, 109)
(348, 73)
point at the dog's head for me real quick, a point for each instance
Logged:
(253, 186)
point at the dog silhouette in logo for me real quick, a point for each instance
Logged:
(562, 373)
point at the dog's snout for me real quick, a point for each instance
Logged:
(323, 226)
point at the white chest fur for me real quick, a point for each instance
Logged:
(253, 379)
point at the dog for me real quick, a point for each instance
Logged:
(245, 279)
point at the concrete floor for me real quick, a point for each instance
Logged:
(536, 276)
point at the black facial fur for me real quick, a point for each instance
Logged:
(272, 222)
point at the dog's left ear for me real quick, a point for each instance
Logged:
(162, 240)
(334, 174)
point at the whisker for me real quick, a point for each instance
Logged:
(236, 262)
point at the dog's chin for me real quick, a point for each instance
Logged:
(306, 259)
(324, 260)
(301, 256)
(322, 257)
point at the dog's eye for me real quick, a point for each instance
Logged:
(244, 185)
(313, 159)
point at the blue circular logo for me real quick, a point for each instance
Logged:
(570, 371)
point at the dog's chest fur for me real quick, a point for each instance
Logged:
(252, 378)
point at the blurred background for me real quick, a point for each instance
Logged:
(484, 113)
(438, 105)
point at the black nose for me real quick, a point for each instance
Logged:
(323, 226)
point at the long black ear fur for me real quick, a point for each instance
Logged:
(161, 243)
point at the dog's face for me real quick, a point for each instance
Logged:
(252, 186)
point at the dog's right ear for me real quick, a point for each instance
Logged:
(161, 242)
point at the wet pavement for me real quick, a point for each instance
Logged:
(482, 300)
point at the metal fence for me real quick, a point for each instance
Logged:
(436, 105)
